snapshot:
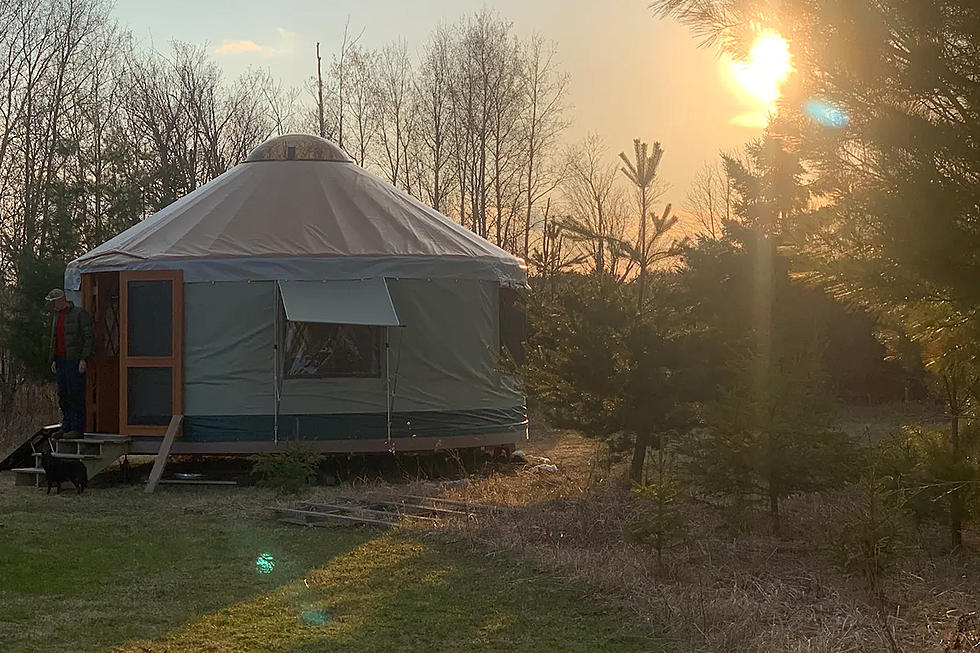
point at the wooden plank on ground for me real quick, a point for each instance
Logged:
(415, 506)
(328, 515)
(403, 504)
(161, 461)
(356, 508)
(462, 504)
(188, 481)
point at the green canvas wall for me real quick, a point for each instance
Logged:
(442, 360)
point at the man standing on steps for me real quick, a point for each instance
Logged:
(72, 340)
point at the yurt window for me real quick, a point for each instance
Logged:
(317, 351)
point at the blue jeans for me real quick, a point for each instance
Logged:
(71, 394)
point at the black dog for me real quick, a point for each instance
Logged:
(59, 470)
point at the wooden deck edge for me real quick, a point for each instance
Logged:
(150, 446)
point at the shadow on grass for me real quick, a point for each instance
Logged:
(85, 573)
(396, 593)
(117, 568)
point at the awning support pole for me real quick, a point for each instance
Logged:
(275, 370)
(388, 384)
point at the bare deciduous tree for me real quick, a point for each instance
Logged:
(433, 112)
(543, 122)
(593, 202)
(393, 94)
(710, 200)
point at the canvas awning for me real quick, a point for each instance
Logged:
(365, 302)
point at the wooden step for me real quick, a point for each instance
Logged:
(77, 456)
(95, 450)
(90, 447)
(28, 476)
(107, 437)
(85, 441)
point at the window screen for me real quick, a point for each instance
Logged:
(150, 313)
(317, 351)
(149, 395)
(513, 325)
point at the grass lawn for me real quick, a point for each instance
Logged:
(114, 569)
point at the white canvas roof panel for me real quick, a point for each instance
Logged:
(300, 219)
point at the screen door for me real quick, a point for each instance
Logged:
(150, 350)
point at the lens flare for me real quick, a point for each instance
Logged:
(265, 563)
(760, 77)
(315, 617)
(826, 113)
(767, 67)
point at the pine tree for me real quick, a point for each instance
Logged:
(592, 366)
(885, 110)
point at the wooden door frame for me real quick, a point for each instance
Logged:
(103, 369)
(175, 361)
(89, 306)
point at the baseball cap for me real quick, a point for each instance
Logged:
(53, 296)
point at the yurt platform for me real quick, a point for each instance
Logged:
(151, 445)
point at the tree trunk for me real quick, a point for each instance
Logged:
(774, 510)
(643, 251)
(956, 510)
(639, 457)
(956, 501)
(319, 93)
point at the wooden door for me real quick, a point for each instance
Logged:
(151, 384)
(100, 297)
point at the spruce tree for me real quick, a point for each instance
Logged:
(884, 107)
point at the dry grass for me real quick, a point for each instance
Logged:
(179, 570)
(730, 586)
(35, 406)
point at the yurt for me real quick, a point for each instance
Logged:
(299, 297)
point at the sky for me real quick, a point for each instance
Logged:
(631, 75)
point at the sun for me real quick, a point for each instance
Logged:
(763, 72)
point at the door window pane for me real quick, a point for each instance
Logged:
(149, 395)
(150, 318)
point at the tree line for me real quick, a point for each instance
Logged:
(98, 131)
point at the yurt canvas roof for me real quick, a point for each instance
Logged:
(299, 209)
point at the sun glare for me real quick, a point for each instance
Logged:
(762, 74)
